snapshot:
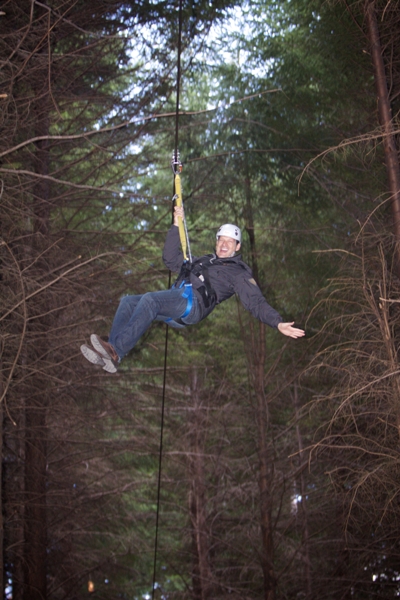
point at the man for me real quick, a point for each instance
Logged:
(206, 282)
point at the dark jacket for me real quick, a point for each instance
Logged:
(227, 276)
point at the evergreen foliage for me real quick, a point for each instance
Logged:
(279, 463)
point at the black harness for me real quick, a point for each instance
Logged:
(199, 268)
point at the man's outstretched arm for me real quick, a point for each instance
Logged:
(254, 301)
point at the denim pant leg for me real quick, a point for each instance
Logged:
(135, 314)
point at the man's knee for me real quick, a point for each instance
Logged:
(125, 302)
(127, 305)
(149, 298)
(153, 303)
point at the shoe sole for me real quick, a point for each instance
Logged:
(109, 363)
(92, 356)
(109, 366)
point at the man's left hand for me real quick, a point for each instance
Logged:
(290, 331)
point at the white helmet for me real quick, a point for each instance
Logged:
(231, 231)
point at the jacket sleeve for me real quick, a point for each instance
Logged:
(252, 299)
(172, 253)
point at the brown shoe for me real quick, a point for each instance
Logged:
(107, 352)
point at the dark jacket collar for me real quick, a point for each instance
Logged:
(235, 259)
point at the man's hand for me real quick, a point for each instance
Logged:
(178, 212)
(290, 331)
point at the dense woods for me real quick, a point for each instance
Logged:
(278, 468)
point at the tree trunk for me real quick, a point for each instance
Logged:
(386, 122)
(2, 577)
(303, 504)
(257, 360)
(266, 466)
(35, 502)
(201, 575)
(35, 518)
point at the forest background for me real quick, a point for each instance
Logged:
(280, 472)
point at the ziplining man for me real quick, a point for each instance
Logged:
(201, 285)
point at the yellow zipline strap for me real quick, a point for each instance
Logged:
(183, 234)
(178, 202)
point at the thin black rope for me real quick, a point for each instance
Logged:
(178, 80)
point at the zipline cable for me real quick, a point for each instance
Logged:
(182, 225)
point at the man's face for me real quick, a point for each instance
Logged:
(226, 247)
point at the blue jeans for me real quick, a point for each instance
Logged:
(135, 314)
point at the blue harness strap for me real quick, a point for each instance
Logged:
(188, 294)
